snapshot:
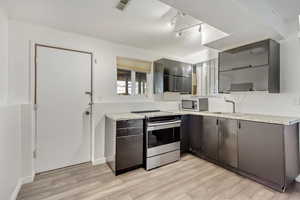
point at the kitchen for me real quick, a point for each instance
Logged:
(279, 98)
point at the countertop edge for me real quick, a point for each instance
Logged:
(123, 116)
(245, 118)
(253, 118)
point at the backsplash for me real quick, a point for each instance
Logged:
(259, 103)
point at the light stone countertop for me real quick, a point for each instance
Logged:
(239, 116)
(247, 117)
(124, 116)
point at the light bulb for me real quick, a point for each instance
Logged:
(178, 34)
(200, 28)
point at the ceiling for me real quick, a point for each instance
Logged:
(144, 23)
(287, 9)
(245, 21)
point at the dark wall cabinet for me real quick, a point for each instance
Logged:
(172, 76)
(266, 152)
(253, 67)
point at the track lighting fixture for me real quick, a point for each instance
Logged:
(200, 28)
(181, 31)
(178, 34)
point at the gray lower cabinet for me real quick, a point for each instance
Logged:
(184, 134)
(195, 124)
(123, 144)
(228, 148)
(210, 137)
(129, 151)
(268, 152)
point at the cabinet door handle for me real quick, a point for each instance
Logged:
(240, 125)
(217, 122)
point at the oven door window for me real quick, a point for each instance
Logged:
(163, 136)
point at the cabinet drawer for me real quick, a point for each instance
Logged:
(129, 131)
(130, 123)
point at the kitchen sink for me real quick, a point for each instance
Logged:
(218, 112)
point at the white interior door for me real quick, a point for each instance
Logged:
(63, 131)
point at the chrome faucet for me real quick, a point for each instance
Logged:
(233, 104)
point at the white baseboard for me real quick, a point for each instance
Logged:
(21, 181)
(27, 179)
(15, 193)
(99, 161)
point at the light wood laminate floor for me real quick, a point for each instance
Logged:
(190, 178)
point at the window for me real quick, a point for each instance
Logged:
(124, 83)
(132, 76)
(207, 78)
(140, 83)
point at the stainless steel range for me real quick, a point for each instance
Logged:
(162, 138)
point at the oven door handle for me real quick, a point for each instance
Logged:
(161, 126)
(164, 123)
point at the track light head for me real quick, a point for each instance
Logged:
(200, 28)
(179, 34)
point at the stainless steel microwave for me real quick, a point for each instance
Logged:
(195, 104)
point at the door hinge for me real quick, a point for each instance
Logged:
(34, 154)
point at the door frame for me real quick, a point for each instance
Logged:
(33, 96)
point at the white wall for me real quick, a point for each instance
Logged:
(10, 151)
(10, 134)
(105, 53)
(3, 56)
(201, 56)
(105, 76)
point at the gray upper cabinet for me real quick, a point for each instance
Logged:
(172, 76)
(253, 67)
(210, 137)
(250, 55)
(228, 152)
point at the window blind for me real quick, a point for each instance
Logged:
(133, 64)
